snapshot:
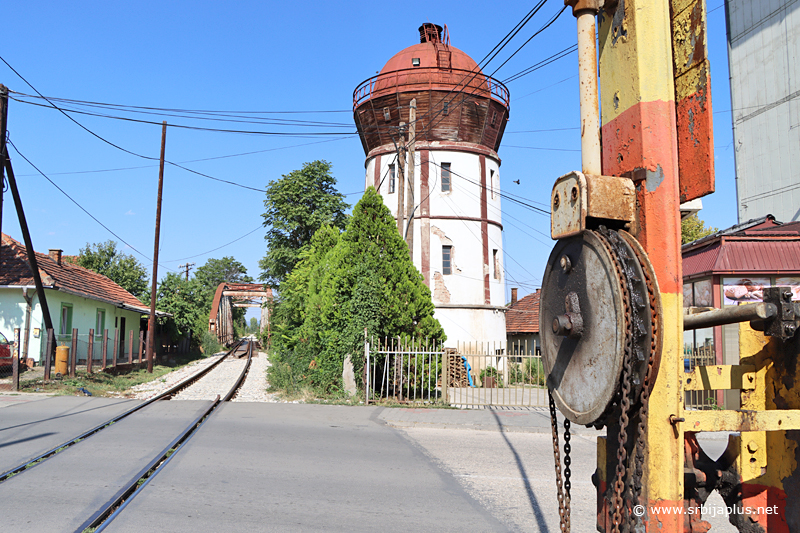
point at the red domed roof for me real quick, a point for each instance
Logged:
(454, 100)
(428, 56)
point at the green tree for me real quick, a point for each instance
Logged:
(366, 281)
(253, 325)
(692, 229)
(297, 205)
(184, 301)
(123, 269)
(290, 350)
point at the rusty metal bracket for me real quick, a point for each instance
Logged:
(787, 319)
(578, 197)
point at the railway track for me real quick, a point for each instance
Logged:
(224, 377)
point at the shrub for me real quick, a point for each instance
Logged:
(534, 371)
(209, 343)
(491, 371)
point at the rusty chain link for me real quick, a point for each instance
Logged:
(624, 403)
(647, 383)
(567, 473)
(563, 504)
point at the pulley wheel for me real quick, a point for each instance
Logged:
(591, 291)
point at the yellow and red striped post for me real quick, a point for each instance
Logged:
(640, 141)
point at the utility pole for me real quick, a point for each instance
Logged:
(3, 148)
(401, 179)
(151, 322)
(412, 139)
(186, 267)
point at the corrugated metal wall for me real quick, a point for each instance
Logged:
(764, 58)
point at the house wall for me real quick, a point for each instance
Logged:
(84, 317)
(457, 218)
(520, 342)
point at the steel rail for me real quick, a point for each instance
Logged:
(113, 507)
(86, 434)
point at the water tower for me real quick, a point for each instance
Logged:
(431, 124)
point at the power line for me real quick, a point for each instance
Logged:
(181, 126)
(543, 88)
(502, 195)
(194, 160)
(543, 131)
(546, 25)
(543, 63)
(121, 148)
(198, 111)
(505, 252)
(543, 148)
(80, 206)
(500, 212)
(260, 226)
(193, 115)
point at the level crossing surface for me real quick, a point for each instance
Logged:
(29, 429)
(60, 493)
(295, 467)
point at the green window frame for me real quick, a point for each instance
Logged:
(65, 322)
(100, 323)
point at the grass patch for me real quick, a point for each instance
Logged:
(103, 384)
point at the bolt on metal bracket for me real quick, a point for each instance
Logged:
(577, 197)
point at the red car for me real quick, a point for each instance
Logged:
(5, 351)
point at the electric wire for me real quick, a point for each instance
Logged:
(505, 252)
(71, 199)
(182, 126)
(502, 195)
(544, 27)
(543, 88)
(498, 210)
(543, 63)
(195, 160)
(260, 226)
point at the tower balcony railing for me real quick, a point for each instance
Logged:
(431, 78)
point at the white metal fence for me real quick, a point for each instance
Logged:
(472, 375)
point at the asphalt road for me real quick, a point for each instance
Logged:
(295, 467)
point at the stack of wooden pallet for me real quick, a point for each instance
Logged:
(457, 370)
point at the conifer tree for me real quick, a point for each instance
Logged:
(366, 281)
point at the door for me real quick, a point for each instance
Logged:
(122, 338)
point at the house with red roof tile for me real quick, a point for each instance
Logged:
(522, 324)
(76, 297)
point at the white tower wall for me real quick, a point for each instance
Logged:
(469, 299)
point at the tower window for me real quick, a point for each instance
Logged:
(415, 61)
(491, 182)
(387, 115)
(447, 260)
(494, 117)
(446, 109)
(391, 178)
(496, 262)
(445, 177)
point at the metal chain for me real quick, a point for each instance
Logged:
(567, 473)
(625, 401)
(563, 504)
(647, 384)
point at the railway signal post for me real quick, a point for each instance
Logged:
(612, 313)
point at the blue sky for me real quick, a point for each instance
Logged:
(267, 57)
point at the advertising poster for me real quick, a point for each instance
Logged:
(703, 293)
(688, 299)
(743, 290)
